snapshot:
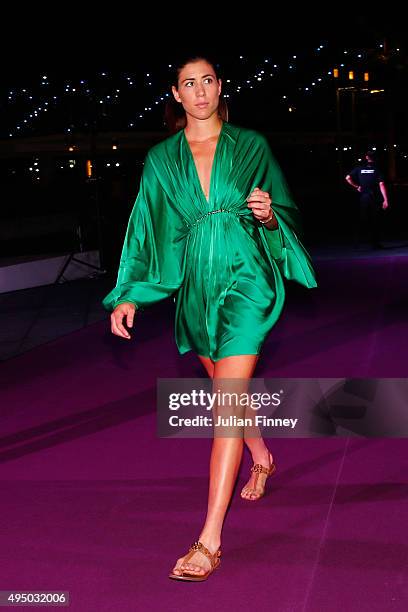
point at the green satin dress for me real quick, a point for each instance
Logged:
(226, 269)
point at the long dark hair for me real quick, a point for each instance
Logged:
(174, 113)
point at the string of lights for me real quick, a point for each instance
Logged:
(108, 94)
(294, 80)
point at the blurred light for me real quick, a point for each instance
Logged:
(351, 75)
(336, 73)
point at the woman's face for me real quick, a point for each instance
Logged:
(198, 89)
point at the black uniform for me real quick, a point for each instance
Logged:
(368, 222)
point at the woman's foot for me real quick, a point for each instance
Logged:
(198, 564)
(255, 487)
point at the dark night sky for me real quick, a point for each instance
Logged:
(65, 42)
(116, 37)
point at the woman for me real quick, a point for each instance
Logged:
(203, 226)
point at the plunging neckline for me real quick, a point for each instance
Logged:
(212, 166)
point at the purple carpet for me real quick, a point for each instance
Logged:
(95, 504)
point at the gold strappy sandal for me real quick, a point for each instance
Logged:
(215, 560)
(258, 468)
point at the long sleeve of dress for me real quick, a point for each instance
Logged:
(150, 266)
(283, 244)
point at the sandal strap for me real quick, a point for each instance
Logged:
(261, 469)
(199, 546)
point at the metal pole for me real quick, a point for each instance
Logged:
(339, 137)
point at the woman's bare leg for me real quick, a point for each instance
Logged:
(226, 455)
(208, 365)
(256, 445)
(260, 454)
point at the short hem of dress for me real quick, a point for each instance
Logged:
(234, 354)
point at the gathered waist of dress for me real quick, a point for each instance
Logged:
(213, 212)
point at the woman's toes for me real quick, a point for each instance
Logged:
(177, 568)
(192, 568)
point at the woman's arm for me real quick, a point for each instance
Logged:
(150, 266)
(284, 246)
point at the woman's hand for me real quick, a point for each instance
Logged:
(260, 203)
(126, 309)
